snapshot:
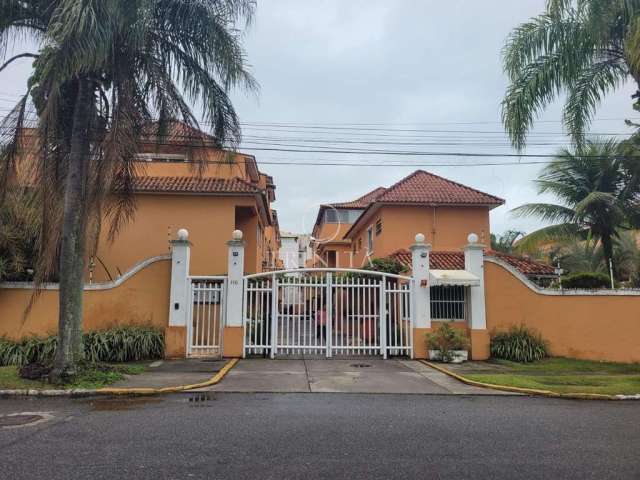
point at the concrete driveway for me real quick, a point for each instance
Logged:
(341, 376)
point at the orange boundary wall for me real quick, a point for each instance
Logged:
(585, 325)
(140, 297)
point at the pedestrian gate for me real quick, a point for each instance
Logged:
(207, 313)
(327, 312)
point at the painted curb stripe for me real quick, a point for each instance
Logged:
(530, 391)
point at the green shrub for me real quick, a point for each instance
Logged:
(519, 344)
(446, 339)
(386, 265)
(122, 344)
(587, 280)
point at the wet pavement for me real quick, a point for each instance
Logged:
(211, 435)
(170, 373)
(364, 375)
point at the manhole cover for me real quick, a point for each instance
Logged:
(360, 365)
(19, 420)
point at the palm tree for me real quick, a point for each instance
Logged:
(505, 243)
(596, 201)
(102, 71)
(586, 48)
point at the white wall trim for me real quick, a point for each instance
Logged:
(565, 292)
(91, 286)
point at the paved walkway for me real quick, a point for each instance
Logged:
(342, 376)
(169, 373)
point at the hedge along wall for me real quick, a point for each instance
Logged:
(139, 297)
(587, 325)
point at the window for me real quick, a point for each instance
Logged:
(161, 157)
(369, 239)
(448, 302)
(341, 215)
(378, 227)
(359, 243)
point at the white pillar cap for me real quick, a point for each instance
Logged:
(183, 234)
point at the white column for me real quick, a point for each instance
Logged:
(179, 303)
(474, 263)
(421, 298)
(235, 277)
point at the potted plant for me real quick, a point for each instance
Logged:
(448, 344)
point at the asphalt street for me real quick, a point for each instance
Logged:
(264, 436)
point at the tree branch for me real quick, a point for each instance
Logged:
(22, 55)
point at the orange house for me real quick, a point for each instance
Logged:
(386, 220)
(228, 193)
(184, 180)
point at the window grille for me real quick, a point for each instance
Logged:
(449, 302)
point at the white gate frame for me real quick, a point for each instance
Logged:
(384, 318)
(220, 288)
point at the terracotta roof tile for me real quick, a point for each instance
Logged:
(193, 185)
(455, 261)
(423, 187)
(176, 132)
(525, 265)
(363, 201)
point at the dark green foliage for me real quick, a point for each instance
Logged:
(122, 344)
(519, 344)
(505, 243)
(386, 265)
(588, 280)
(580, 51)
(19, 224)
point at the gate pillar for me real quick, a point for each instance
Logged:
(176, 332)
(233, 335)
(421, 308)
(474, 263)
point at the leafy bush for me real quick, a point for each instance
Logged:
(122, 344)
(587, 280)
(446, 339)
(386, 265)
(519, 344)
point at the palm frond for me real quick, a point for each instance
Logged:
(551, 234)
(547, 212)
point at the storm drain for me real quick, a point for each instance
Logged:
(16, 420)
(200, 399)
(360, 365)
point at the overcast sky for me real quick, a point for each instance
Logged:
(400, 65)
(408, 64)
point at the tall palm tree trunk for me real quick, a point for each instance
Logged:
(607, 247)
(73, 242)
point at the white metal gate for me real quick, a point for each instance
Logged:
(206, 314)
(327, 312)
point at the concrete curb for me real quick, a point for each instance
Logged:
(78, 392)
(530, 391)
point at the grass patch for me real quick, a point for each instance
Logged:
(89, 377)
(563, 375)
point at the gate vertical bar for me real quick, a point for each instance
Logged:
(329, 307)
(383, 317)
(274, 314)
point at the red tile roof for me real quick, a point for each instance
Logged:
(455, 261)
(175, 132)
(363, 201)
(426, 188)
(193, 185)
(525, 265)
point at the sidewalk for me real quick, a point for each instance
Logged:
(170, 373)
(342, 376)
